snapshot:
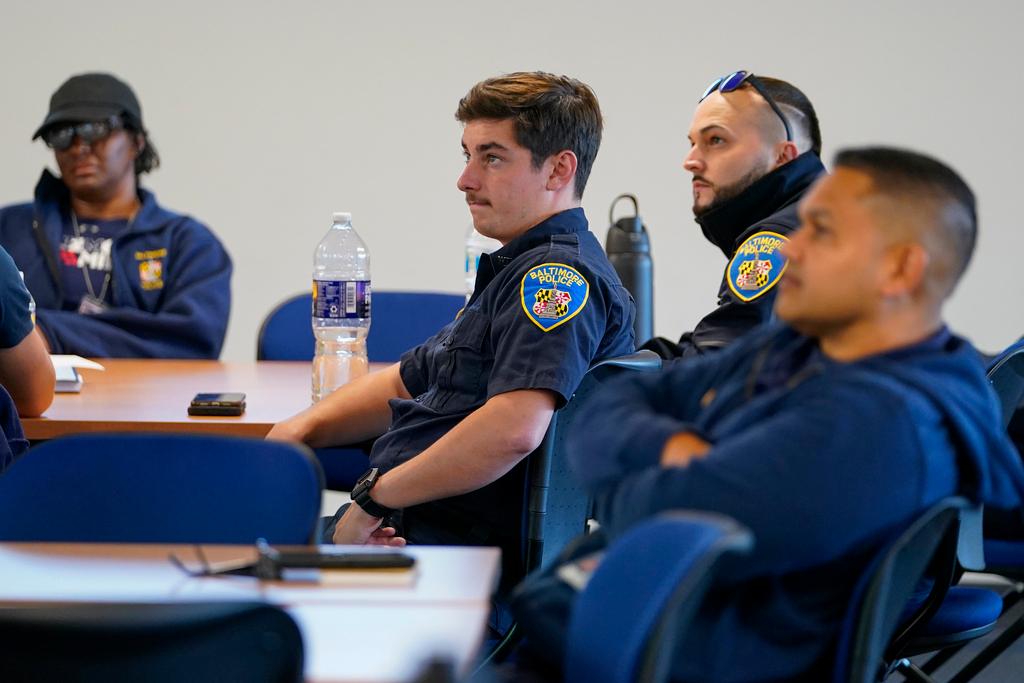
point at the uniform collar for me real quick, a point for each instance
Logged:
(723, 225)
(568, 222)
(563, 223)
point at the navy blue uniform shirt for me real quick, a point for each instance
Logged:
(15, 325)
(15, 319)
(545, 307)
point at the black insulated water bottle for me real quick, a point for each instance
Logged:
(629, 250)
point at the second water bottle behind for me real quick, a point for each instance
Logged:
(341, 307)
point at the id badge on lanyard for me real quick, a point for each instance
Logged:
(90, 305)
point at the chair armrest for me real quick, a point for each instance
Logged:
(643, 360)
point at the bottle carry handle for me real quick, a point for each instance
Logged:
(637, 226)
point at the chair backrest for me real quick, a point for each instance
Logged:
(162, 488)
(400, 321)
(877, 623)
(557, 506)
(1007, 376)
(158, 643)
(646, 589)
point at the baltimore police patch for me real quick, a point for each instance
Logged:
(553, 293)
(757, 265)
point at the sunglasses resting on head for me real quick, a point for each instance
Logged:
(735, 81)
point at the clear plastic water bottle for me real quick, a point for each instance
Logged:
(341, 307)
(476, 244)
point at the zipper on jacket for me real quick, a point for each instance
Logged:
(46, 248)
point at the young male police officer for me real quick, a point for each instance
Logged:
(113, 273)
(459, 411)
(754, 152)
(824, 436)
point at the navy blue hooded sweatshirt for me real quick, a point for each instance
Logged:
(170, 283)
(822, 460)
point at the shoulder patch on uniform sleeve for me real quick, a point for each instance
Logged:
(552, 294)
(757, 265)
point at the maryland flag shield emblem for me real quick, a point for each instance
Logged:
(757, 265)
(552, 294)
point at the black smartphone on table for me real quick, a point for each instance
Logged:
(230, 404)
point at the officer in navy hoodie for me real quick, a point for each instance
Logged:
(824, 435)
(754, 146)
(113, 273)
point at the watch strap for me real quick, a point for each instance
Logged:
(370, 507)
(361, 495)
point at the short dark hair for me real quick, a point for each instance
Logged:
(790, 97)
(550, 113)
(148, 159)
(910, 176)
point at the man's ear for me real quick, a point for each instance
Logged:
(907, 270)
(563, 170)
(140, 143)
(785, 153)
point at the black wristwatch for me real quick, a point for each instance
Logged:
(361, 494)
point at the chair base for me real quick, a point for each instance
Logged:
(922, 645)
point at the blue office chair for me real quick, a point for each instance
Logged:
(158, 643)
(882, 618)
(551, 508)
(159, 488)
(966, 606)
(646, 589)
(557, 507)
(1006, 372)
(401, 320)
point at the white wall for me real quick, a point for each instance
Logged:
(270, 115)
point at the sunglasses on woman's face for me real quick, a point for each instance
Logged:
(735, 81)
(59, 138)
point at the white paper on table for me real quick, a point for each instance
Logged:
(68, 379)
(71, 361)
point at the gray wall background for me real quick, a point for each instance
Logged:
(269, 115)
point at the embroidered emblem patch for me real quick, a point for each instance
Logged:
(553, 293)
(151, 274)
(757, 265)
(151, 268)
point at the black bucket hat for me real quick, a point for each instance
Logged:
(92, 97)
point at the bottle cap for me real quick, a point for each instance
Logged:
(342, 217)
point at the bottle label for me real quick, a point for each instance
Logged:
(340, 299)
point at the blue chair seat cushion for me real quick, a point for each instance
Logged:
(964, 609)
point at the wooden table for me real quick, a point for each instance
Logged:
(153, 395)
(351, 633)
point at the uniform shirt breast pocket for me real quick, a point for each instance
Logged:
(461, 377)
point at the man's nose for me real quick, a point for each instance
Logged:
(790, 248)
(467, 181)
(693, 162)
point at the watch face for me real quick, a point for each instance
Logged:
(365, 482)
